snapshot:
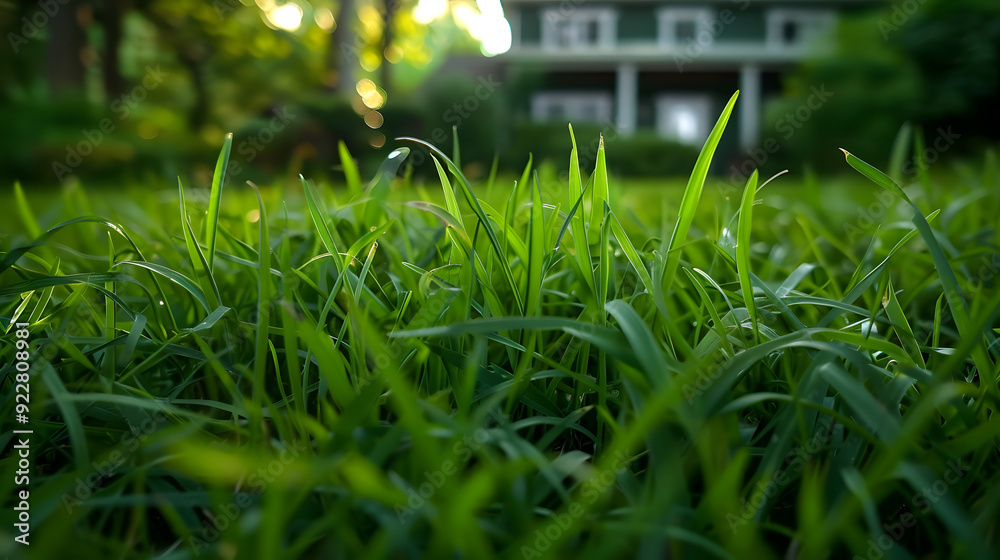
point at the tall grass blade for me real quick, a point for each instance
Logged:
(215, 199)
(692, 195)
(743, 250)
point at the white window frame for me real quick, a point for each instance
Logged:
(572, 101)
(668, 18)
(777, 18)
(702, 105)
(606, 18)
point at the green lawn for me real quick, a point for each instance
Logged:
(446, 370)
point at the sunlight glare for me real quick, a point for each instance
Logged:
(429, 10)
(287, 16)
(488, 25)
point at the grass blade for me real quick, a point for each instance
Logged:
(692, 195)
(743, 250)
(215, 199)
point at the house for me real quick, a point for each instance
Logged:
(662, 65)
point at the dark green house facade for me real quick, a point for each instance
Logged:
(663, 65)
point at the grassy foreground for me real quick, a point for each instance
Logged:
(550, 377)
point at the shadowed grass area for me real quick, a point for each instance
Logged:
(526, 370)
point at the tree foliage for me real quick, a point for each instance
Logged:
(933, 63)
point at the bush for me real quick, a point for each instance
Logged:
(936, 67)
(324, 120)
(647, 155)
(641, 155)
(47, 140)
(463, 101)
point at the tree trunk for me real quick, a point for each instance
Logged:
(387, 18)
(344, 51)
(198, 116)
(191, 54)
(111, 20)
(64, 70)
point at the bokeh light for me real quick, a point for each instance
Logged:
(372, 96)
(393, 54)
(324, 19)
(374, 119)
(287, 16)
(429, 10)
(488, 25)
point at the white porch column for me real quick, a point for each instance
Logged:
(626, 97)
(750, 105)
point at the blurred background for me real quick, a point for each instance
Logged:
(103, 91)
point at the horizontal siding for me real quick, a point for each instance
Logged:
(748, 25)
(637, 23)
(531, 25)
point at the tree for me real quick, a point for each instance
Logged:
(937, 65)
(64, 67)
(111, 15)
(343, 48)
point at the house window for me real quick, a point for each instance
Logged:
(580, 28)
(684, 118)
(590, 106)
(682, 26)
(789, 32)
(796, 28)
